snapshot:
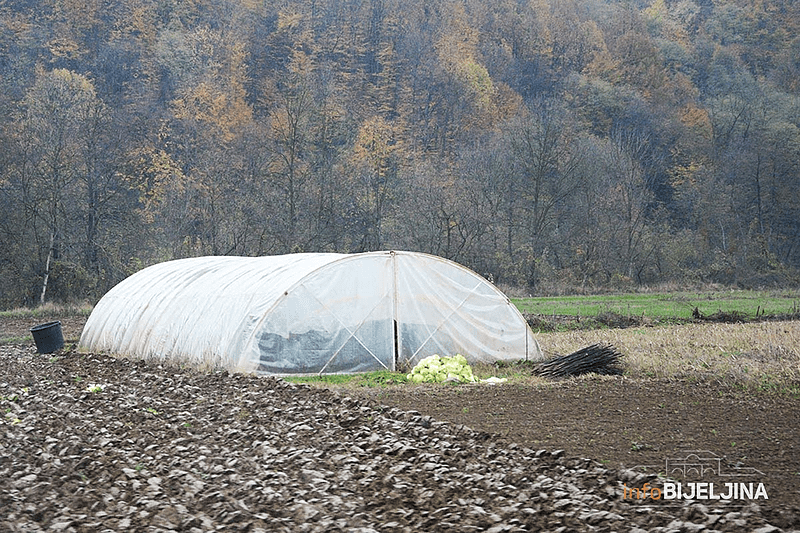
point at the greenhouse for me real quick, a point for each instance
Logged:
(317, 313)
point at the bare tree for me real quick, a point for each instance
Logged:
(61, 109)
(547, 160)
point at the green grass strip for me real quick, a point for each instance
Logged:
(679, 305)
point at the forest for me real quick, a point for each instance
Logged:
(549, 145)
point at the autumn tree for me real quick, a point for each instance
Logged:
(67, 176)
(376, 160)
(291, 119)
(210, 113)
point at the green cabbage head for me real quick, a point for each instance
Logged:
(436, 369)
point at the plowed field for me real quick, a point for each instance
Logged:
(95, 443)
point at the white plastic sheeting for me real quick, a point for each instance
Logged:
(308, 313)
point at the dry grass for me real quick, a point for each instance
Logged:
(764, 355)
(761, 356)
(49, 309)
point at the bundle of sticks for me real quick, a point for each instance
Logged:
(598, 358)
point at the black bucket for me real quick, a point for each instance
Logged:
(48, 337)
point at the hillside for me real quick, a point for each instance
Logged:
(584, 143)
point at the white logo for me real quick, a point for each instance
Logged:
(698, 463)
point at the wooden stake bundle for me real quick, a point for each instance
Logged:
(598, 358)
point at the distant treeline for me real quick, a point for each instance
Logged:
(583, 143)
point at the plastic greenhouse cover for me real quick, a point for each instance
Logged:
(308, 313)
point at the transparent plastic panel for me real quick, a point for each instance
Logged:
(338, 320)
(446, 309)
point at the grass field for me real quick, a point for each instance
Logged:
(677, 306)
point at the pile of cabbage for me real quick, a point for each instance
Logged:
(436, 369)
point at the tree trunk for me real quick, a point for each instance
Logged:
(47, 266)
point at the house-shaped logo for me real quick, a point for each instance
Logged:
(699, 463)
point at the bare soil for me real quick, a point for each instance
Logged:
(168, 449)
(625, 423)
